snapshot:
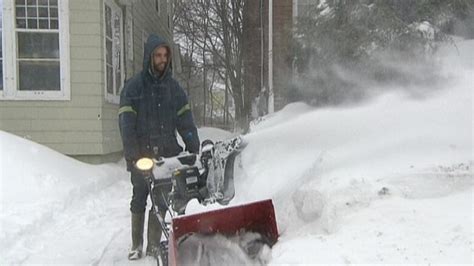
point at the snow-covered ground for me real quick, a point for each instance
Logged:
(390, 181)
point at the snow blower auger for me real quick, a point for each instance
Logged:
(209, 178)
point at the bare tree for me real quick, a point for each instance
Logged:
(214, 28)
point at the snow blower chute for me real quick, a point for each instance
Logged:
(207, 177)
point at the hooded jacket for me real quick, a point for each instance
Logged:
(152, 109)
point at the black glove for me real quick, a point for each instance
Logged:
(131, 164)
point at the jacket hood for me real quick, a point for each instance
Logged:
(152, 42)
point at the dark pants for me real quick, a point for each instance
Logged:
(140, 193)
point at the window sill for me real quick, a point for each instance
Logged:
(35, 97)
(112, 99)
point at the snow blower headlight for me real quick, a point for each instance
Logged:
(144, 164)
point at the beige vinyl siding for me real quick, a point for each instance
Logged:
(77, 149)
(112, 141)
(146, 18)
(62, 137)
(51, 113)
(71, 127)
(87, 79)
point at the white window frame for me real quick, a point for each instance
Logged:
(10, 71)
(158, 6)
(145, 36)
(112, 97)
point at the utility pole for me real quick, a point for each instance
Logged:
(262, 53)
(271, 106)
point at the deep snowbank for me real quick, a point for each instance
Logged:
(38, 185)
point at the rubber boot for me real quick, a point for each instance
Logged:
(138, 221)
(153, 234)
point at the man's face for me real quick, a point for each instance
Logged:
(160, 59)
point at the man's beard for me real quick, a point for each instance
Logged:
(160, 68)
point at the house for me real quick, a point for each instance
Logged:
(63, 65)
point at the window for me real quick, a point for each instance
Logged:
(36, 43)
(113, 38)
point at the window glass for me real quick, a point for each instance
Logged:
(118, 52)
(37, 45)
(113, 49)
(108, 49)
(41, 14)
(42, 76)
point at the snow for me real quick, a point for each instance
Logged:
(220, 250)
(214, 134)
(389, 181)
(426, 29)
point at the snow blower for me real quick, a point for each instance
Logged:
(208, 178)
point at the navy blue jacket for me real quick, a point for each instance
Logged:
(153, 109)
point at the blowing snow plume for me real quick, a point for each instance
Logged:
(351, 83)
(348, 51)
(387, 181)
(339, 84)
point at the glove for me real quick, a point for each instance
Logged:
(131, 164)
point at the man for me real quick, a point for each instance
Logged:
(152, 108)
